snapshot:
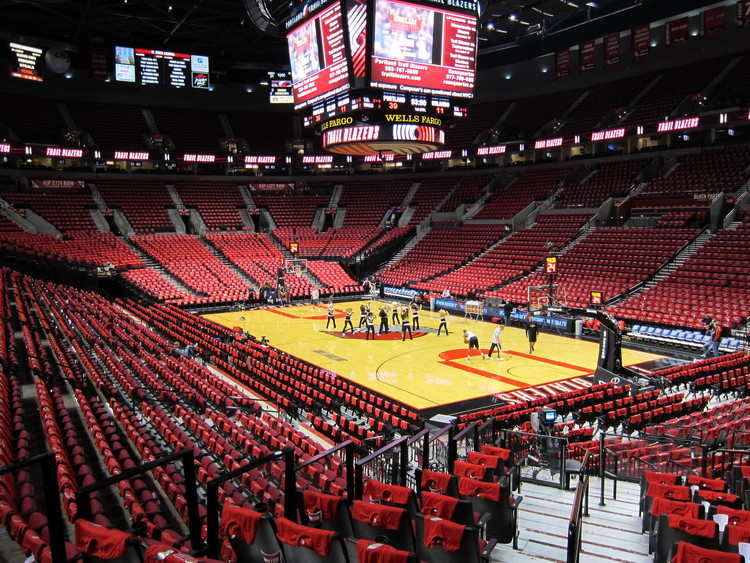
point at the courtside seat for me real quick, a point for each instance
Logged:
(688, 553)
(443, 541)
(251, 534)
(326, 511)
(437, 482)
(447, 507)
(99, 544)
(393, 495)
(496, 506)
(653, 507)
(368, 551)
(383, 523)
(304, 544)
(672, 529)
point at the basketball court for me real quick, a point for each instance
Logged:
(430, 373)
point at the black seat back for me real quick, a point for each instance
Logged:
(467, 553)
(341, 522)
(667, 537)
(297, 554)
(401, 538)
(265, 543)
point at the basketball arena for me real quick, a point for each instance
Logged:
(375, 281)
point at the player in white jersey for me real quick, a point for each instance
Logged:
(495, 344)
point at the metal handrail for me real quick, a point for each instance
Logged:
(402, 445)
(434, 440)
(212, 494)
(469, 432)
(562, 440)
(83, 495)
(423, 436)
(51, 498)
(348, 448)
(579, 510)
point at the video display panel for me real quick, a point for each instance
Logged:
(421, 49)
(155, 67)
(317, 54)
(26, 62)
(356, 19)
(280, 91)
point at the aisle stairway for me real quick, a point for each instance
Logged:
(152, 264)
(585, 231)
(229, 264)
(407, 247)
(612, 533)
(669, 268)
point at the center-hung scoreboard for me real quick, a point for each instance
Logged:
(379, 76)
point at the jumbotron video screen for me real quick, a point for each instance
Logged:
(383, 75)
(318, 56)
(421, 49)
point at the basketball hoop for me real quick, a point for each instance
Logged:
(541, 296)
(295, 267)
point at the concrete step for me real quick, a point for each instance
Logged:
(155, 265)
(610, 533)
(229, 264)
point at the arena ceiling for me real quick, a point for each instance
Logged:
(224, 30)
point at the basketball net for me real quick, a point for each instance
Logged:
(296, 267)
(541, 296)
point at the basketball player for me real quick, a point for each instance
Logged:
(473, 342)
(394, 316)
(384, 328)
(331, 315)
(405, 325)
(415, 316)
(495, 345)
(532, 329)
(348, 321)
(362, 316)
(443, 321)
(370, 326)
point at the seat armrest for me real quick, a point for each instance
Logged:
(487, 551)
(486, 517)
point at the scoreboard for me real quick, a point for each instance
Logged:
(155, 67)
(26, 62)
(318, 54)
(375, 75)
(421, 49)
(280, 83)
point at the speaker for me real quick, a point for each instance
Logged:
(260, 16)
(58, 60)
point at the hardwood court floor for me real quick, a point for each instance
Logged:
(430, 370)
